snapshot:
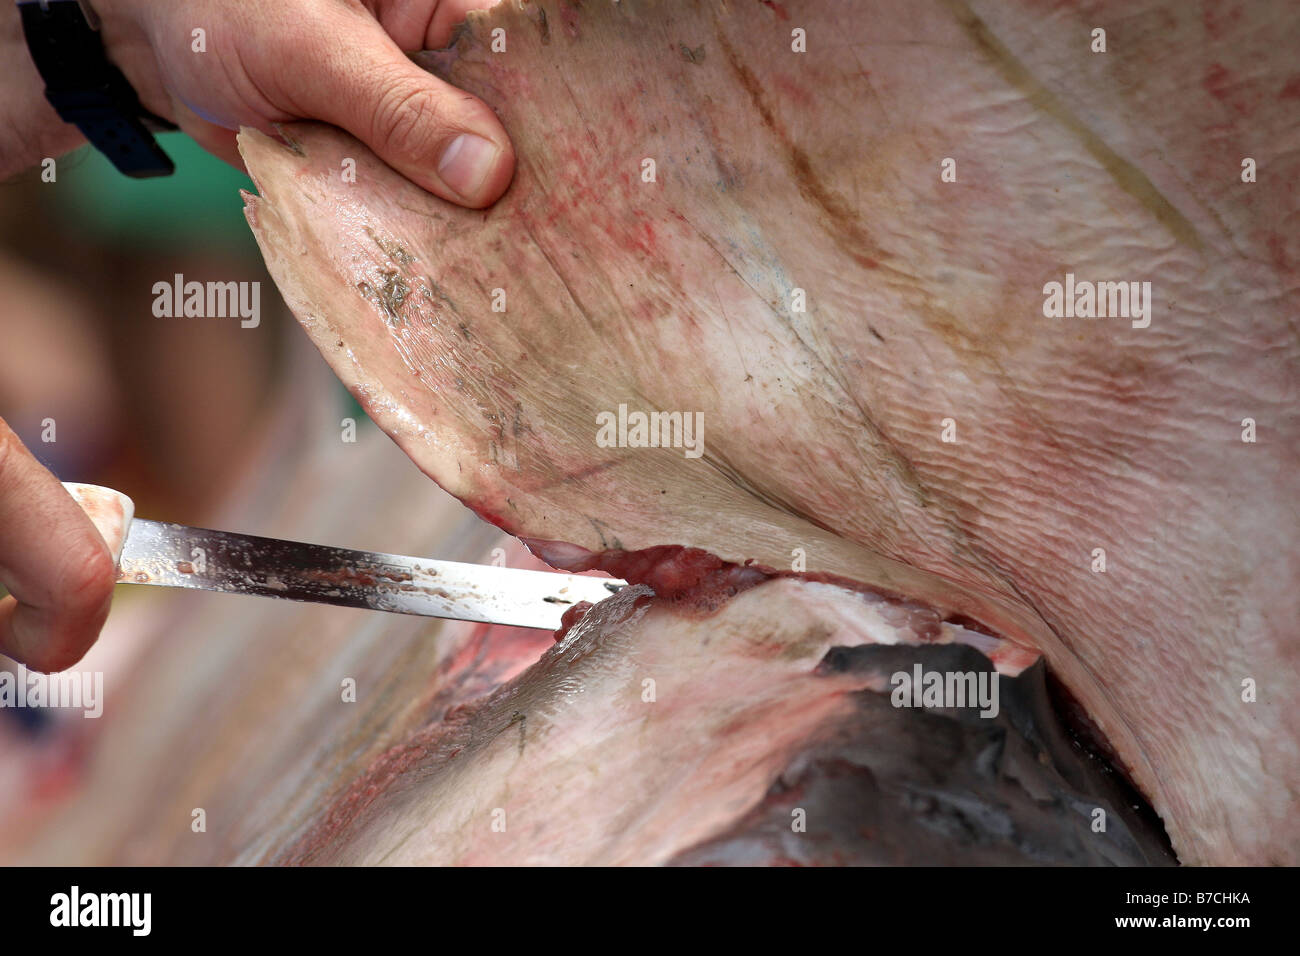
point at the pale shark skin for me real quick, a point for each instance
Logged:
(820, 171)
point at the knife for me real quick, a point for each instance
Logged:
(177, 556)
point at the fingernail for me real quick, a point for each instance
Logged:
(466, 163)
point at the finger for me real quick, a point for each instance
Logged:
(446, 16)
(423, 24)
(217, 140)
(57, 568)
(439, 137)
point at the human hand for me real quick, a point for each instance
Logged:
(57, 568)
(339, 61)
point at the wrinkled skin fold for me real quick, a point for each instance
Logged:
(779, 173)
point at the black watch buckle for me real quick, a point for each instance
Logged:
(88, 91)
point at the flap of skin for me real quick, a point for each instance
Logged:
(488, 343)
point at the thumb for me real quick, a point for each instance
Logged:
(439, 137)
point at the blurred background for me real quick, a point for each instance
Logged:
(176, 412)
(78, 260)
(223, 702)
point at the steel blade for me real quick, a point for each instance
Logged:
(173, 555)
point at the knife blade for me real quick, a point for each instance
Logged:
(173, 555)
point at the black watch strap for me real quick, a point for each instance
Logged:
(88, 91)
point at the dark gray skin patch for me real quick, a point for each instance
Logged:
(288, 140)
(522, 721)
(942, 786)
(388, 296)
(391, 249)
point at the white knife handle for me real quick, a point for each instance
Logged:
(110, 511)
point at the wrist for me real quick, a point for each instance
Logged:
(86, 88)
(32, 129)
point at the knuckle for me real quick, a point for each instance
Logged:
(408, 121)
(84, 590)
(89, 574)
